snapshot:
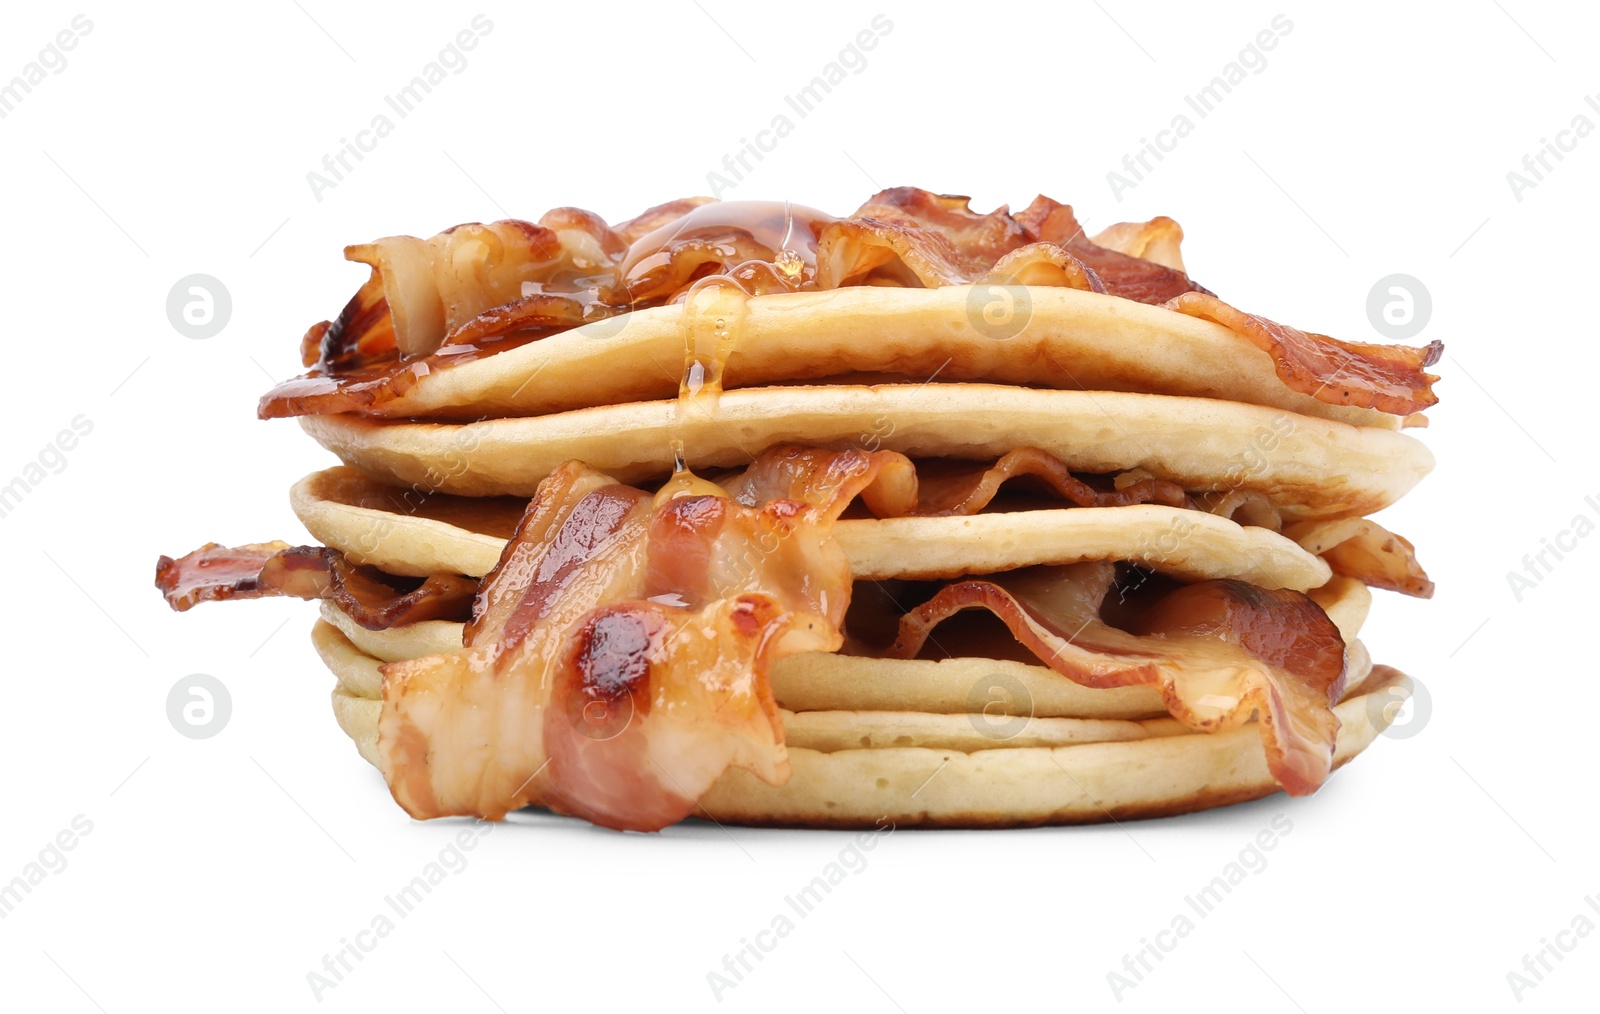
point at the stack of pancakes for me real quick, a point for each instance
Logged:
(1067, 410)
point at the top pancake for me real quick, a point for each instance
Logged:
(1056, 337)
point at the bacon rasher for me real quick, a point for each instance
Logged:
(1221, 651)
(372, 598)
(617, 663)
(476, 289)
(616, 659)
(1389, 378)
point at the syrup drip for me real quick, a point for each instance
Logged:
(765, 247)
(789, 262)
(714, 307)
(713, 313)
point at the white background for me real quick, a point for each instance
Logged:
(219, 872)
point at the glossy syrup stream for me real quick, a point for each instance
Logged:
(713, 312)
(712, 320)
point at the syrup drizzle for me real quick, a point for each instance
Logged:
(741, 237)
(766, 247)
(714, 309)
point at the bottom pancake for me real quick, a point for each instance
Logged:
(814, 681)
(998, 771)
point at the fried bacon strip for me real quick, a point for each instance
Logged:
(437, 284)
(372, 598)
(968, 489)
(617, 662)
(478, 288)
(1366, 551)
(1389, 378)
(1246, 507)
(1159, 240)
(214, 573)
(1222, 652)
(942, 489)
(431, 302)
(911, 237)
(1131, 277)
(557, 271)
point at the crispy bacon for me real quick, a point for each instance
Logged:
(1222, 652)
(813, 474)
(907, 236)
(652, 703)
(969, 489)
(477, 289)
(617, 663)
(1247, 507)
(1145, 281)
(436, 285)
(214, 573)
(372, 598)
(1044, 264)
(361, 337)
(1389, 378)
(429, 301)
(900, 489)
(646, 222)
(545, 551)
(1366, 551)
(1159, 240)
(473, 290)
(740, 240)
(540, 310)
(910, 237)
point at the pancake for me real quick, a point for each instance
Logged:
(817, 681)
(934, 770)
(1071, 340)
(1310, 467)
(369, 524)
(1029, 786)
